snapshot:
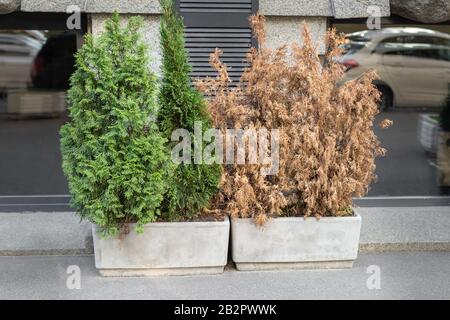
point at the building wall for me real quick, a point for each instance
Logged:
(93, 6)
(305, 8)
(282, 30)
(284, 17)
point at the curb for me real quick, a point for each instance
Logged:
(399, 247)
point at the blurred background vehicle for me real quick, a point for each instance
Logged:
(29, 59)
(35, 70)
(413, 64)
(17, 51)
(54, 64)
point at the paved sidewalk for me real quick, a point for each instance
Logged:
(404, 275)
(383, 229)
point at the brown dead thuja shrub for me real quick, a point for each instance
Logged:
(327, 145)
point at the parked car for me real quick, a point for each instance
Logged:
(17, 51)
(54, 64)
(413, 64)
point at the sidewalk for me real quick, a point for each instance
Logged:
(383, 229)
(404, 275)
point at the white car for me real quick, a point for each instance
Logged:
(16, 56)
(413, 64)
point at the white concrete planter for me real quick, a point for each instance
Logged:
(295, 243)
(172, 248)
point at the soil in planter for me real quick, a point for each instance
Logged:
(125, 228)
(203, 217)
(275, 216)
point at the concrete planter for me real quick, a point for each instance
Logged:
(173, 248)
(295, 243)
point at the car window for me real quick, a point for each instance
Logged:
(391, 45)
(426, 40)
(417, 46)
(396, 39)
(433, 52)
(352, 47)
(444, 54)
(357, 38)
(354, 43)
(414, 39)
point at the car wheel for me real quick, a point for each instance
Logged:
(386, 99)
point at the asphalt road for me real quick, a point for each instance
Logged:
(405, 275)
(30, 160)
(406, 170)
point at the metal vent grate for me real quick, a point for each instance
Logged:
(230, 6)
(212, 24)
(234, 43)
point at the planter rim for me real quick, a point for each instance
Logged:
(177, 224)
(356, 216)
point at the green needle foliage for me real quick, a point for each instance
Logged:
(181, 105)
(114, 156)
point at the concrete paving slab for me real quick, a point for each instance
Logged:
(418, 228)
(33, 233)
(403, 275)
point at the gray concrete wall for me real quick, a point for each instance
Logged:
(93, 6)
(280, 30)
(344, 9)
(299, 8)
(285, 17)
(306, 8)
(317, 8)
(286, 30)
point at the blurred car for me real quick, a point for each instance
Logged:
(413, 64)
(17, 51)
(54, 64)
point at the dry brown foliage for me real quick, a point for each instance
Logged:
(327, 143)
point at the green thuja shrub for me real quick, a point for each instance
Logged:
(181, 105)
(113, 154)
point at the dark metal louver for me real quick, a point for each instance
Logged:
(212, 24)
